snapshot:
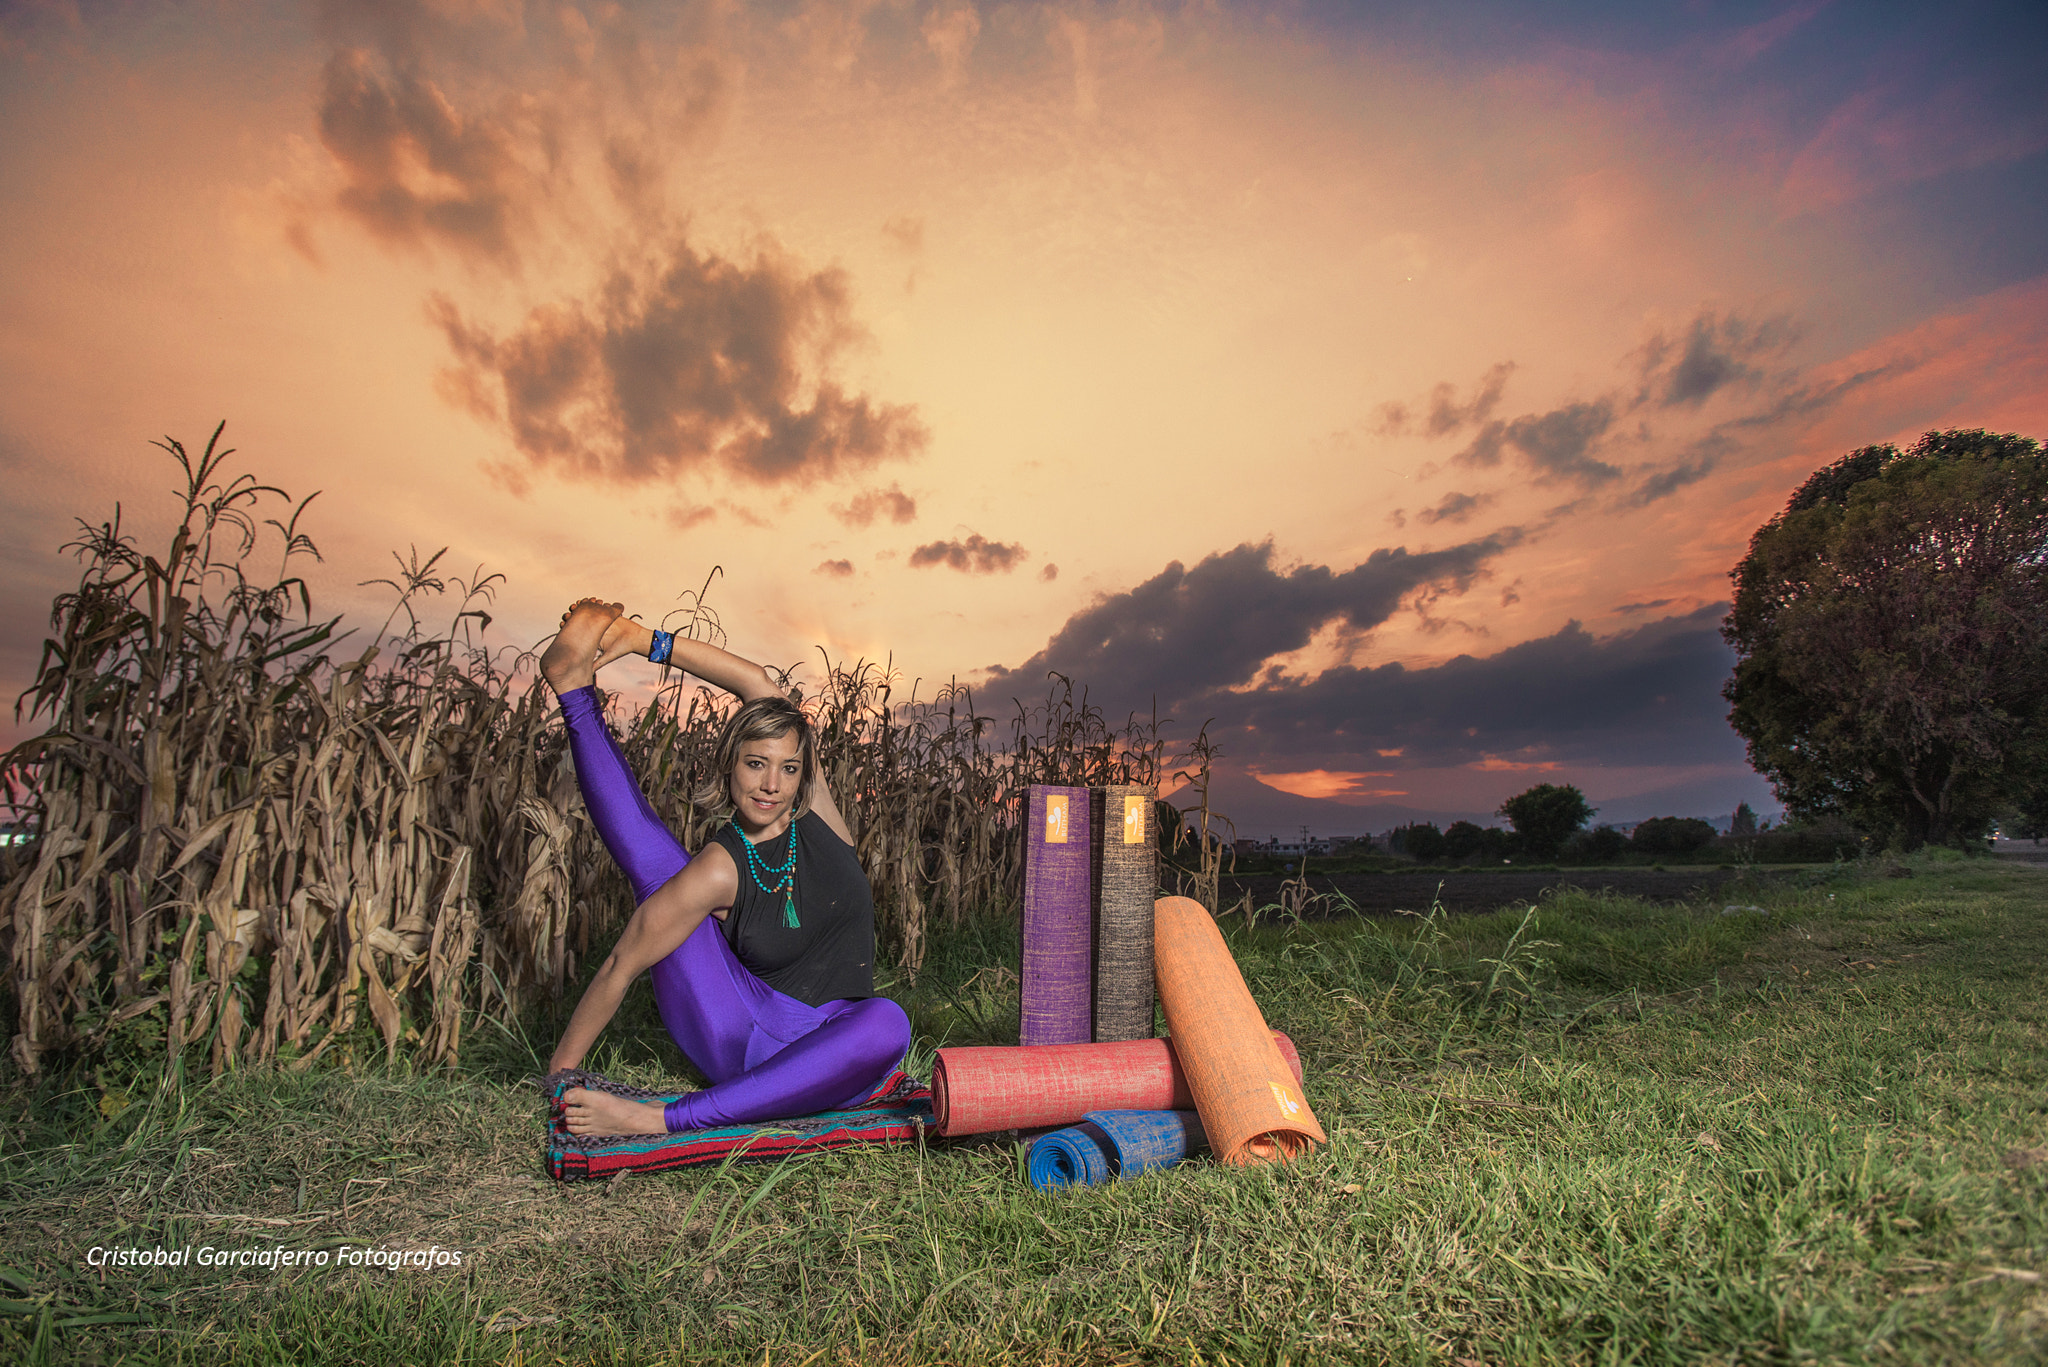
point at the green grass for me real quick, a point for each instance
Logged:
(1609, 1132)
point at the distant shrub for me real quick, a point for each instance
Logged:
(1466, 840)
(1597, 846)
(1421, 841)
(1672, 835)
(1818, 841)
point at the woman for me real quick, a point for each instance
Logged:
(762, 947)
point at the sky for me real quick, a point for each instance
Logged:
(1391, 387)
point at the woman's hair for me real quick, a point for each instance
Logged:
(762, 719)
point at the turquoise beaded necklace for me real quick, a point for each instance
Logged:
(785, 872)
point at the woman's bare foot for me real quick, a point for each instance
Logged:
(570, 661)
(590, 1112)
(622, 638)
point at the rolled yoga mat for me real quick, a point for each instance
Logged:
(1250, 1100)
(980, 1088)
(1077, 1156)
(1058, 927)
(1126, 851)
(1110, 1144)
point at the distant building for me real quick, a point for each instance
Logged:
(1294, 846)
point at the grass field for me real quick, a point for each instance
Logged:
(1607, 1132)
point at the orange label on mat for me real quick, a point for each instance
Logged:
(1134, 820)
(1289, 1107)
(1055, 819)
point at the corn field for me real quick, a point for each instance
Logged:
(242, 837)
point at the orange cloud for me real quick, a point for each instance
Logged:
(1327, 783)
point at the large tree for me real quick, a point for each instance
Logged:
(1546, 816)
(1891, 633)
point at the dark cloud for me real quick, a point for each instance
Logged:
(870, 504)
(633, 171)
(1456, 507)
(837, 569)
(454, 124)
(1558, 444)
(1702, 370)
(1663, 483)
(1443, 413)
(1447, 415)
(449, 129)
(1651, 606)
(1795, 401)
(1049, 573)
(1485, 448)
(1643, 697)
(700, 363)
(975, 555)
(1200, 642)
(1185, 633)
(415, 170)
(1713, 353)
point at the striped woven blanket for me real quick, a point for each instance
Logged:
(898, 1111)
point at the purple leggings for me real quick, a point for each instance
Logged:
(768, 1055)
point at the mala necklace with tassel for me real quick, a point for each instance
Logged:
(784, 875)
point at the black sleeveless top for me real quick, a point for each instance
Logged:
(830, 953)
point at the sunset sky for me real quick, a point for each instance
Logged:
(1394, 384)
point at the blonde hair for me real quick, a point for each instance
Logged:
(767, 718)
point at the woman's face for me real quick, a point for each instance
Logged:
(765, 781)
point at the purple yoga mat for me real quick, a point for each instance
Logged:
(1058, 926)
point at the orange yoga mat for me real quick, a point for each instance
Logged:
(977, 1089)
(1251, 1102)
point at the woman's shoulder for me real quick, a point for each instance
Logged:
(715, 864)
(816, 827)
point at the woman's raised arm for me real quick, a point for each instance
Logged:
(720, 668)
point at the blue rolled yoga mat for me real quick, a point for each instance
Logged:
(1059, 923)
(1077, 1156)
(1146, 1140)
(1112, 1144)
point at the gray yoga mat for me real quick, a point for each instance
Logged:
(1058, 926)
(1126, 852)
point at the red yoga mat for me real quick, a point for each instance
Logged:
(979, 1088)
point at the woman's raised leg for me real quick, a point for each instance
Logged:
(643, 847)
(705, 995)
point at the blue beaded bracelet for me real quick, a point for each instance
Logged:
(664, 642)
